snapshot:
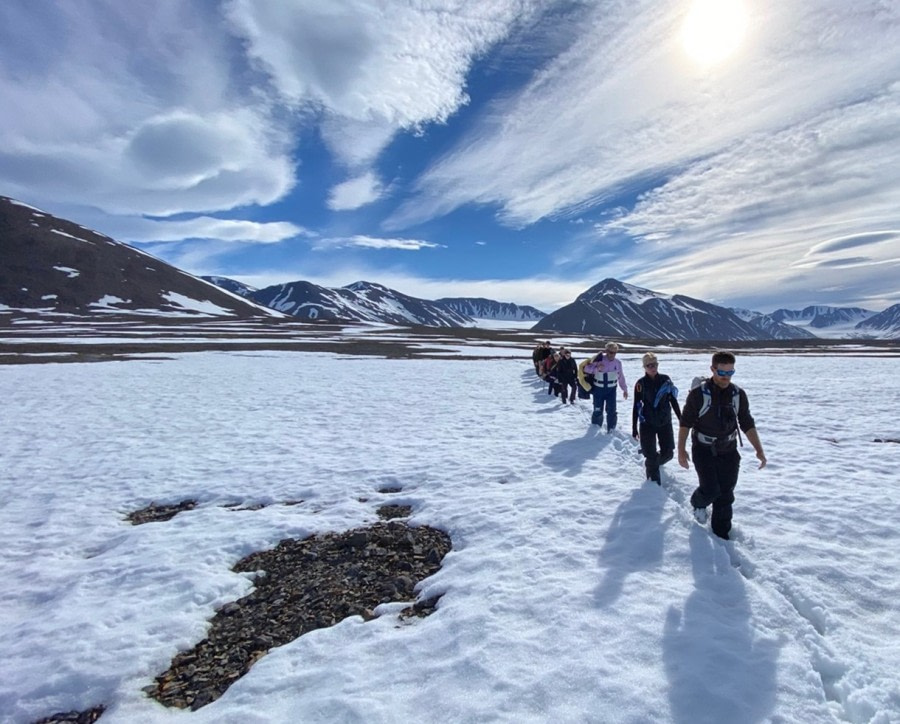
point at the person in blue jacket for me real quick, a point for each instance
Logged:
(651, 416)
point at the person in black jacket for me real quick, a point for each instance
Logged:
(713, 413)
(567, 374)
(651, 416)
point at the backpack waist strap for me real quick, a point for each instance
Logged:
(712, 439)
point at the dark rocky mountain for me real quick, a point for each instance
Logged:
(615, 309)
(232, 285)
(480, 308)
(884, 325)
(51, 266)
(357, 302)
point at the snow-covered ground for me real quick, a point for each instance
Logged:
(575, 592)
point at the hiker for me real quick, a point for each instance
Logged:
(600, 376)
(715, 412)
(651, 416)
(542, 353)
(537, 356)
(567, 374)
(549, 369)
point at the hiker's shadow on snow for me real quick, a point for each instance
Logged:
(569, 456)
(634, 541)
(541, 397)
(718, 668)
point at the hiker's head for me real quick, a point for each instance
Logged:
(651, 364)
(722, 368)
(611, 348)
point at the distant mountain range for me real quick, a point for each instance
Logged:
(480, 308)
(615, 309)
(51, 267)
(357, 302)
(369, 302)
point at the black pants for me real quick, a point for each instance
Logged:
(717, 475)
(649, 434)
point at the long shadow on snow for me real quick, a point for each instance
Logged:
(718, 670)
(569, 456)
(634, 541)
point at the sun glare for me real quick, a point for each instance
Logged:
(713, 30)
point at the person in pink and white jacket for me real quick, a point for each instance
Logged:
(601, 376)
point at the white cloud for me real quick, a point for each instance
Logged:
(355, 193)
(623, 103)
(790, 210)
(370, 242)
(146, 117)
(202, 227)
(737, 163)
(372, 69)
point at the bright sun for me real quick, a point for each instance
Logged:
(713, 30)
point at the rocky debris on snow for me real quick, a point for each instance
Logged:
(155, 513)
(421, 609)
(390, 489)
(886, 439)
(389, 512)
(259, 506)
(74, 717)
(304, 585)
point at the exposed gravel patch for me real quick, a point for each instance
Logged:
(389, 512)
(155, 513)
(73, 717)
(307, 584)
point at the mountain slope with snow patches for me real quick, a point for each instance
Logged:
(54, 267)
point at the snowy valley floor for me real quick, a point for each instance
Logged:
(575, 591)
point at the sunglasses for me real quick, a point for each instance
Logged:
(651, 365)
(724, 373)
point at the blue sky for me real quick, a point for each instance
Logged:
(746, 152)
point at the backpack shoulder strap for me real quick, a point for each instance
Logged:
(707, 398)
(736, 399)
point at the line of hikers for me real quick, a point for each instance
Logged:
(714, 415)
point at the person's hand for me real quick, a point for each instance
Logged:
(761, 456)
(626, 394)
(636, 436)
(683, 459)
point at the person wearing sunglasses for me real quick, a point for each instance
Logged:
(651, 416)
(714, 413)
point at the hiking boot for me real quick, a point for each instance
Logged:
(700, 515)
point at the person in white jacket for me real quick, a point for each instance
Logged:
(601, 375)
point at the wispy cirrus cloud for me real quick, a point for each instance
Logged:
(361, 241)
(792, 140)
